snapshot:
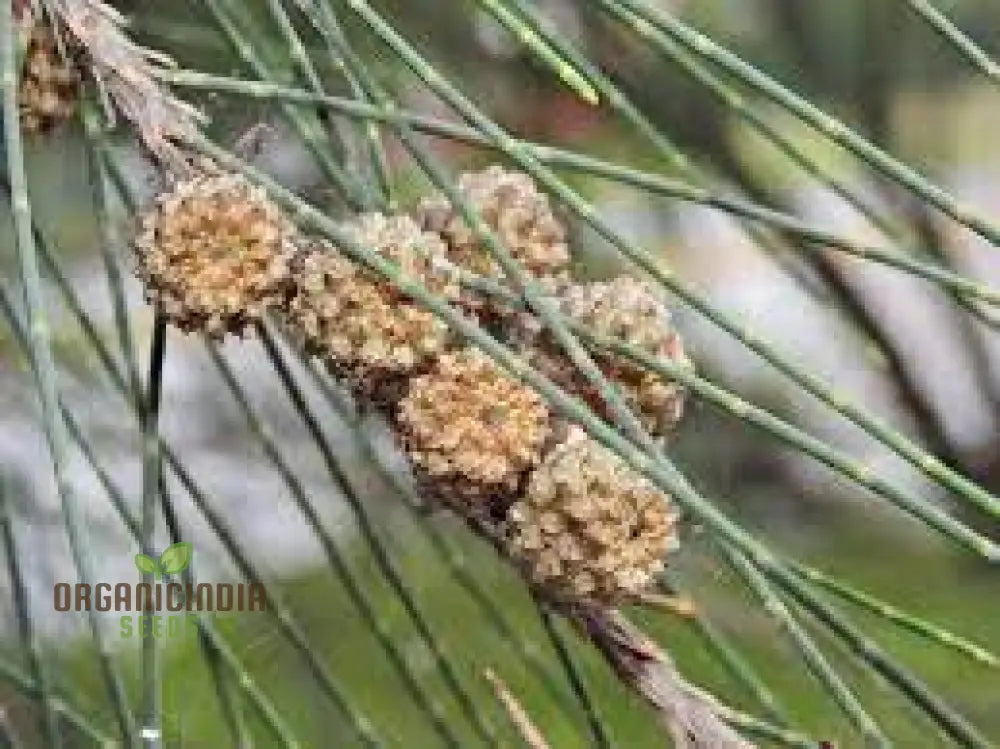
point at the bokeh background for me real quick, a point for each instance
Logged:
(897, 345)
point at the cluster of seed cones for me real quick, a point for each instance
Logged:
(216, 256)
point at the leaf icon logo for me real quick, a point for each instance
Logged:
(147, 565)
(176, 558)
(173, 561)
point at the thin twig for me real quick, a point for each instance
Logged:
(752, 725)
(691, 721)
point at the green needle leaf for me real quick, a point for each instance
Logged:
(569, 75)
(176, 558)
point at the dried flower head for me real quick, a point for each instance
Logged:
(214, 254)
(626, 309)
(130, 76)
(359, 322)
(512, 206)
(472, 432)
(49, 87)
(589, 528)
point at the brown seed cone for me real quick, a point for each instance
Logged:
(214, 254)
(368, 333)
(589, 529)
(471, 433)
(623, 308)
(49, 86)
(512, 206)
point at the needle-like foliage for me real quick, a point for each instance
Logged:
(532, 405)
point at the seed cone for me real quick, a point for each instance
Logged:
(589, 528)
(360, 323)
(626, 309)
(512, 206)
(471, 433)
(214, 254)
(49, 87)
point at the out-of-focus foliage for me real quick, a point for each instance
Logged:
(915, 361)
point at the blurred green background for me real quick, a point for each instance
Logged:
(898, 347)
